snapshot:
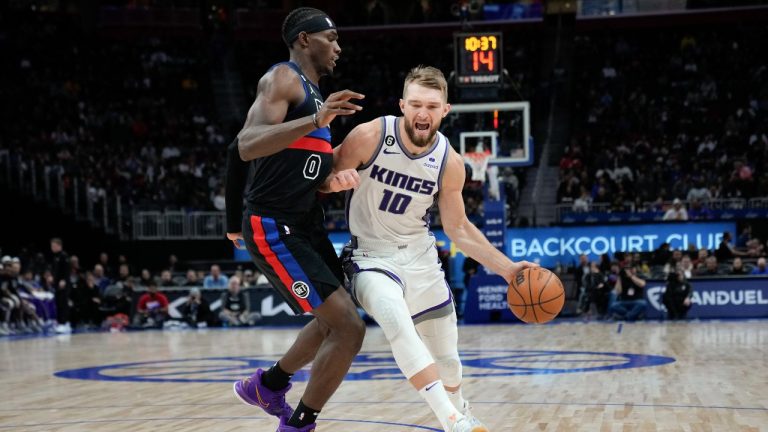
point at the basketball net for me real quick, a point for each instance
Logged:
(479, 164)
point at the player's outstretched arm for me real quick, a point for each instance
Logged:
(356, 150)
(460, 230)
(264, 132)
(234, 184)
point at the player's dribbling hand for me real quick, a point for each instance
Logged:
(237, 239)
(519, 266)
(344, 180)
(338, 104)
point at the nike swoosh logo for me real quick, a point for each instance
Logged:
(258, 397)
(430, 387)
(390, 152)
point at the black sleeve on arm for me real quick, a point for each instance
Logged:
(237, 172)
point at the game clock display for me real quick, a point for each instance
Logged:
(478, 59)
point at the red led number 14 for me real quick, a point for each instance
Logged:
(482, 57)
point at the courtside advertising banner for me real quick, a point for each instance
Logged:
(739, 297)
(550, 246)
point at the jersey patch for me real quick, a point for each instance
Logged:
(301, 289)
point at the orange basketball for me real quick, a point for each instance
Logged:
(536, 295)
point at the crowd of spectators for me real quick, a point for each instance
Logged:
(662, 116)
(612, 288)
(134, 117)
(128, 117)
(55, 292)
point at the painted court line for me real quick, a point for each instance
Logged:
(407, 402)
(167, 419)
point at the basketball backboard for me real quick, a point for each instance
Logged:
(503, 128)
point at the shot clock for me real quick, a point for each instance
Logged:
(478, 59)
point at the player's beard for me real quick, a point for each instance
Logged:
(420, 141)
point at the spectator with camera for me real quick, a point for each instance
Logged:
(196, 312)
(630, 303)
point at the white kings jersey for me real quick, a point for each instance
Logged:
(396, 189)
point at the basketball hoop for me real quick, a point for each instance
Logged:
(481, 169)
(479, 164)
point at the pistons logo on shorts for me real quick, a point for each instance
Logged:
(301, 289)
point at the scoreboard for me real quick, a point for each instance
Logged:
(477, 59)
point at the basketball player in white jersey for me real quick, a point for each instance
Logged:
(392, 261)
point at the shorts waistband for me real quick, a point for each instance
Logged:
(303, 219)
(358, 242)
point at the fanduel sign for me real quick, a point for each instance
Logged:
(564, 244)
(716, 298)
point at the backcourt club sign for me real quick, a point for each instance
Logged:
(564, 244)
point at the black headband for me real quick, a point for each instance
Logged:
(313, 25)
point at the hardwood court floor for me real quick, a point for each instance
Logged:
(698, 376)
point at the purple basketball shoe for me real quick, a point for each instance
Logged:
(252, 392)
(285, 428)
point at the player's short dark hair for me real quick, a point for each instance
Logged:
(295, 18)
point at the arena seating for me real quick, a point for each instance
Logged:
(659, 116)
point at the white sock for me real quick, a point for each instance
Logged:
(437, 399)
(457, 399)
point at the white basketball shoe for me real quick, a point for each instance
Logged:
(469, 423)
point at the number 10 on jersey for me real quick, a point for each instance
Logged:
(395, 203)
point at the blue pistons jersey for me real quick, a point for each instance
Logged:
(396, 189)
(285, 183)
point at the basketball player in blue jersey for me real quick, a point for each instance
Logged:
(392, 263)
(286, 141)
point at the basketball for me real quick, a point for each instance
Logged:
(536, 295)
